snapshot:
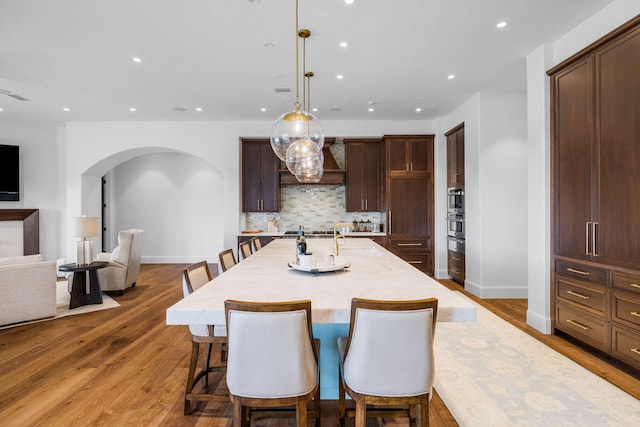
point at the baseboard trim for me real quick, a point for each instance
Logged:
(496, 291)
(539, 322)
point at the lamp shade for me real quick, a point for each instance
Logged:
(85, 226)
(293, 126)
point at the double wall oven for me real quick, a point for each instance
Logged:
(455, 219)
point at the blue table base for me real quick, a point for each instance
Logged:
(328, 334)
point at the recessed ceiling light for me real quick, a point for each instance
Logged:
(1, 109)
(279, 77)
(348, 1)
(198, 109)
(344, 44)
(339, 77)
(418, 109)
(451, 76)
(501, 24)
(269, 45)
(65, 109)
(371, 109)
(263, 109)
(315, 110)
(136, 60)
(132, 109)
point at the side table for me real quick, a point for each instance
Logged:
(79, 295)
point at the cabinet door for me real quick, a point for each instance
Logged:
(260, 181)
(396, 149)
(419, 159)
(573, 159)
(410, 206)
(459, 176)
(618, 136)
(270, 163)
(363, 176)
(251, 179)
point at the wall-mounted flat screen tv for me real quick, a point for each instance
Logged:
(9, 173)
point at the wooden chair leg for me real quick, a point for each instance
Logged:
(195, 350)
(361, 413)
(341, 399)
(238, 413)
(301, 413)
(205, 363)
(424, 411)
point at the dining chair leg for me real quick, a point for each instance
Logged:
(424, 411)
(195, 350)
(301, 413)
(205, 363)
(361, 413)
(341, 399)
(238, 413)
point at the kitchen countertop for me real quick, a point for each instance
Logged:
(346, 234)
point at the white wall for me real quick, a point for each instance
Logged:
(38, 179)
(495, 192)
(538, 62)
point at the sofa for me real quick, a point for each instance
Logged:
(27, 289)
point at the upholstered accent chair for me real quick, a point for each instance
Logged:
(387, 359)
(124, 262)
(272, 359)
(194, 277)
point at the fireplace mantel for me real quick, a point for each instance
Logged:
(30, 225)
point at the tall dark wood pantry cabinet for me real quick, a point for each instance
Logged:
(596, 195)
(409, 198)
(363, 191)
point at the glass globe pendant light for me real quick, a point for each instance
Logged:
(297, 125)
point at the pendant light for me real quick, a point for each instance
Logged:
(298, 127)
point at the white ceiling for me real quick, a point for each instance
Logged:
(211, 54)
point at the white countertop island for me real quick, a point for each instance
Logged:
(374, 273)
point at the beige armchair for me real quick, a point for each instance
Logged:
(124, 262)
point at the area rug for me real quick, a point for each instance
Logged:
(62, 302)
(490, 373)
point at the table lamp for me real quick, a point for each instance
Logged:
(83, 227)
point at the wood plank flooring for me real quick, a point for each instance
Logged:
(125, 367)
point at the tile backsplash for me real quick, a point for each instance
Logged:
(316, 207)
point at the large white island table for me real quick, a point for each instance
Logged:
(374, 273)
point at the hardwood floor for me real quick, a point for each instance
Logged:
(125, 367)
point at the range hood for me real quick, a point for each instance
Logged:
(333, 175)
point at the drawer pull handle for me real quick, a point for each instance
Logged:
(414, 262)
(634, 285)
(573, 270)
(409, 244)
(575, 294)
(635, 350)
(455, 258)
(635, 313)
(578, 324)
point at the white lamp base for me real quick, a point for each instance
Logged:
(85, 252)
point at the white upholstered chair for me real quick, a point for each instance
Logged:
(194, 277)
(272, 359)
(124, 262)
(387, 359)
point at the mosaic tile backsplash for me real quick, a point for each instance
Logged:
(316, 207)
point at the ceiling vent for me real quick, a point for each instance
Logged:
(283, 90)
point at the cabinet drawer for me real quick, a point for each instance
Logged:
(626, 281)
(591, 329)
(625, 309)
(408, 245)
(587, 295)
(421, 261)
(581, 272)
(626, 346)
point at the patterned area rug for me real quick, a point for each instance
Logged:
(490, 373)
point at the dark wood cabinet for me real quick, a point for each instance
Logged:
(260, 178)
(456, 266)
(595, 196)
(455, 156)
(408, 154)
(409, 198)
(363, 192)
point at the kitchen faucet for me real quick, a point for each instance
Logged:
(337, 235)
